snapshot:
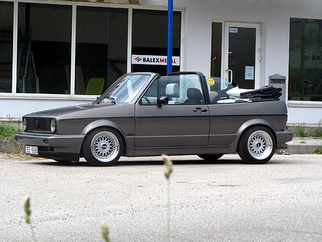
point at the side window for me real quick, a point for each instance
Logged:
(180, 90)
(192, 90)
(151, 95)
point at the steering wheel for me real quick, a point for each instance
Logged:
(147, 100)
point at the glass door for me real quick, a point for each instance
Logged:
(241, 55)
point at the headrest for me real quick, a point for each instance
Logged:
(172, 90)
(194, 93)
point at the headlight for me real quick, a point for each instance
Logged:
(24, 124)
(53, 125)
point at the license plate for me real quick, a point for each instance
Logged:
(32, 150)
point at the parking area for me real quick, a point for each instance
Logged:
(222, 201)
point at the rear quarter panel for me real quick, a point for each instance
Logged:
(228, 121)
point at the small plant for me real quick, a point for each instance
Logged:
(318, 131)
(167, 173)
(7, 132)
(301, 131)
(318, 150)
(26, 206)
(105, 232)
(278, 152)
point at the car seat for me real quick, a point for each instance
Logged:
(194, 96)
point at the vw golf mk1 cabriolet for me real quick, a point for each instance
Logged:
(145, 114)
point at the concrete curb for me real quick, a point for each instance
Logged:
(303, 145)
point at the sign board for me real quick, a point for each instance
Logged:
(154, 60)
(233, 30)
(249, 72)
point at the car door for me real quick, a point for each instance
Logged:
(183, 121)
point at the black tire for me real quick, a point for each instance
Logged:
(211, 157)
(102, 147)
(256, 145)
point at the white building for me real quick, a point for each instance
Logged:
(51, 49)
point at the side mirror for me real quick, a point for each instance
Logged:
(162, 100)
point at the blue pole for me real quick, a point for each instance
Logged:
(170, 36)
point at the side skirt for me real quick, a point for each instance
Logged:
(182, 151)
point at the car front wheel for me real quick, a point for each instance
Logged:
(102, 147)
(257, 145)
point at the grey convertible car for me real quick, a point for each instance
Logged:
(145, 114)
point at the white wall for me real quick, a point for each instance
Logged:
(305, 112)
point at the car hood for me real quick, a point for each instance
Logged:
(67, 112)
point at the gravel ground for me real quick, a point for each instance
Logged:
(222, 201)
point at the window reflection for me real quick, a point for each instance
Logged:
(6, 16)
(305, 78)
(101, 47)
(43, 48)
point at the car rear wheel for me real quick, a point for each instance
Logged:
(102, 147)
(211, 157)
(257, 145)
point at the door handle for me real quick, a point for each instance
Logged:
(231, 75)
(200, 110)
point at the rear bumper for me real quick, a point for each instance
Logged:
(59, 147)
(282, 137)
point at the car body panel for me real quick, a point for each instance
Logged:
(171, 125)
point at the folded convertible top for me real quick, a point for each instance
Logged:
(266, 92)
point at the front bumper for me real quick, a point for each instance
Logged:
(59, 147)
(282, 137)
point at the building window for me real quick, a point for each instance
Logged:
(44, 48)
(6, 40)
(305, 77)
(101, 49)
(45, 54)
(150, 34)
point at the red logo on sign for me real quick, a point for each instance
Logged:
(138, 59)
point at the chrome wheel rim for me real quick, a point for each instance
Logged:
(260, 145)
(105, 146)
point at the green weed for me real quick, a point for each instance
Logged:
(302, 132)
(318, 151)
(105, 231)
(26, 206)
(318, 131)
(7, 132)
(167, 173)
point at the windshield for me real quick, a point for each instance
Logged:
(124, 89)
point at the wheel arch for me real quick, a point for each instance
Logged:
(101, 124)
(251, 123)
